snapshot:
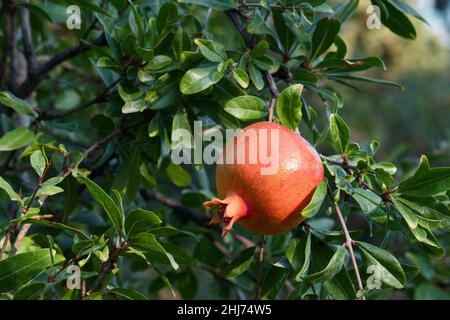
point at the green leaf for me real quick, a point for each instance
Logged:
(19, 105)
(178, 175)
(396, 21)
(340, 287)
(21, 268)
(340, 133)
(140, 220)
(428, 291)
(314, 205)
(167, 231)
(211, 50)
(406, 8)
(9, 191)
(260, 49)
(364, 79)
(181, 122)
(411, 219)
(32, 291)
(214, 4)
(49, 190)
(158, 62)
(273, 282)
(246, 108)
(127, 294)
(52, 224)
(323, 36)
(302, 255)
(16, 139)
(333, 267)
(148, 242)
(136, 24)
(256, 76)
(289, 106)
(106, 202)
(153, 127)
(91, 6)
(241, 77)
(348, 10)
(367, 200)
(199, 79)
(167, 15)
(304, 76)
(426, 181)
(341, 66)
(385, 265)
(38, 162)
(240, 264)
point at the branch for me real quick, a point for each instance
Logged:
(7, 38)
(275, 93)
(33, 80)
(178, 208)
(273, 6)
(27, 39)
(348, 241)
(248, 39)
(99, 99)
(13, 50)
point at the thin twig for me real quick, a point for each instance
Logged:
(24, 229)
(9, 231)
(260, 269)
(99, 99)
(107, 267)
(348, 241)
(275, 93)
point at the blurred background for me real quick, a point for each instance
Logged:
(415, 120)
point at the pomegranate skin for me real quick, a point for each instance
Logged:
(272, 203)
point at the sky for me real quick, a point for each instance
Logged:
(436, 21)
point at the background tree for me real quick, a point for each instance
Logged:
(85, 173)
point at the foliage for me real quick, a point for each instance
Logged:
(86, 177)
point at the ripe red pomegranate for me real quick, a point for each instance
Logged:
(266, 203)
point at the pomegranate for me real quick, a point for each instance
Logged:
(265, 201)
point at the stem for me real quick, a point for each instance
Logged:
(24, 229)
(234, 17)
(275, 93)
(348, 241)
(260, 269)
(107, 267)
